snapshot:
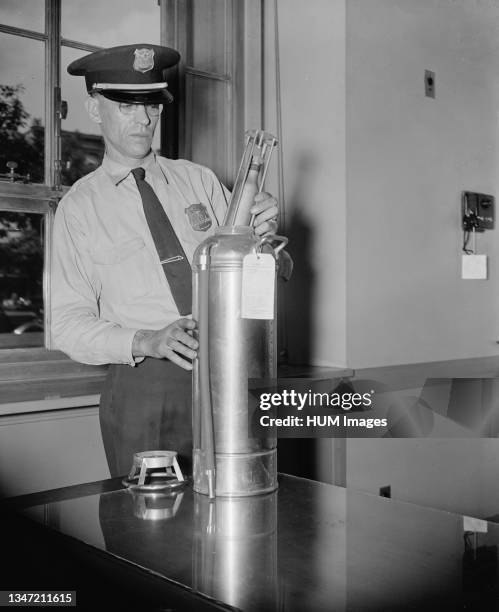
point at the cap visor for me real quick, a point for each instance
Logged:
(138, 97)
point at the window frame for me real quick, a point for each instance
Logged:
(38, 199)
(243, 103)
(42, 198)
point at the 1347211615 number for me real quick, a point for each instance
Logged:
(37, 598)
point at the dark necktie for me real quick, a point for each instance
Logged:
(171, 254)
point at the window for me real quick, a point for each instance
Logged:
(47, 140)
(22, 105)
(24, 247)
(27, 194)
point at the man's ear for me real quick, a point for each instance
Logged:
(92, 106)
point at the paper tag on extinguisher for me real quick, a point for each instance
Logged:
(257, 296)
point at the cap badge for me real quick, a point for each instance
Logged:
(144, 60)
(198, 217)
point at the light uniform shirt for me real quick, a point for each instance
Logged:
(107, 280)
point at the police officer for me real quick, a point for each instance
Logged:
(121, 290)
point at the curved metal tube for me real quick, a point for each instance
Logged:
(204, 371)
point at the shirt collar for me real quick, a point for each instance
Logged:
(118, 172)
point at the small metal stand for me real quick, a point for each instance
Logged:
(155, 470)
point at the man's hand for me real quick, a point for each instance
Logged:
(265, 208)
(173, 342)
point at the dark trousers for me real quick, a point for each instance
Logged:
(146, 407)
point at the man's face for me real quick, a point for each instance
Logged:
(128, 132)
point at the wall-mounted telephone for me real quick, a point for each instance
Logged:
(477, 211)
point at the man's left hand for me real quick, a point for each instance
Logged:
(265, 208)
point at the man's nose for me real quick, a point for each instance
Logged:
(141, 115)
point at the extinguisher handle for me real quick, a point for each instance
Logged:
(271, 238)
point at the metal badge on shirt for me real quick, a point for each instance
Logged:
(198, 217)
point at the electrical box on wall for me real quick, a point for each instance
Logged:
(478, 211)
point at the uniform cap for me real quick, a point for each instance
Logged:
(128, 73)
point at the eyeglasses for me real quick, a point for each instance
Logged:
(126, 108)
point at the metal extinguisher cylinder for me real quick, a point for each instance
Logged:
(235, 352)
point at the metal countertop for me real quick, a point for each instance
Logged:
(307, 547)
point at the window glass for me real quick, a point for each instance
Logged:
(82, 146)
(22, 105)
(207, 52)
(26, 14)
(110, 23)
(21, 279)
(206, 135)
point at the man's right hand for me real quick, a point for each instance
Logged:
(173, 342)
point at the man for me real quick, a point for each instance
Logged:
(115, 297)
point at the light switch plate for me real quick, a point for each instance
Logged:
(474, 267)
(429, 83)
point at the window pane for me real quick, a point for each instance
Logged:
(207, 51)
(22, 105)
(119, 22)
(82, 146)
(206, 132)
(21, 279)
(26, 14)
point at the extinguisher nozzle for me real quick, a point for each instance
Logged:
(211, 483)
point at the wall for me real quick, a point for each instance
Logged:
(457, 475)
(312, 80)
(408, 159)
(373, 173)
(51, 449)
(450, 466)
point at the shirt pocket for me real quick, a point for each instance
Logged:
(125, 270)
